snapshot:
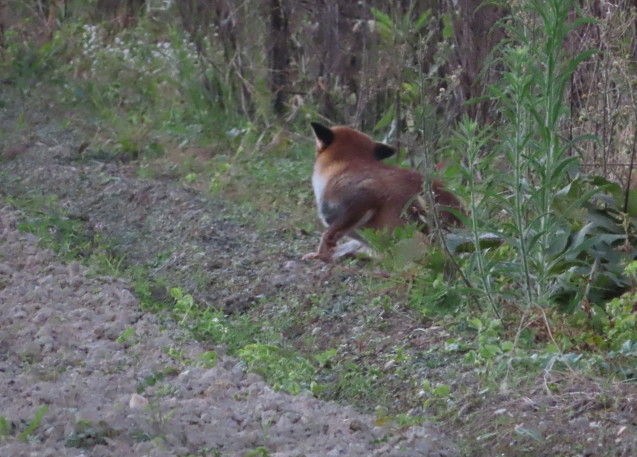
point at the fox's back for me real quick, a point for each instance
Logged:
(344, 175)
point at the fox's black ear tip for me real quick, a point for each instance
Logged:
(318, 126)
(383, 151)
(324, 135)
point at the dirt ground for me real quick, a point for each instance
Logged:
(109, 379)
(62, 348)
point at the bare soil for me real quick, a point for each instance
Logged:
(62, 348)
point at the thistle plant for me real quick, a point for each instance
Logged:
(539, 151)
(530, 99)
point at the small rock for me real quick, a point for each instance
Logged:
(137, 402)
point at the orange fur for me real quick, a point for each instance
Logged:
(354, 189)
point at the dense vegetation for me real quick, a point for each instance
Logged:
(527, 109)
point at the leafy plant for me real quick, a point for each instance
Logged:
(490, 343)
(210, 324)
(473, 141)
(25, 61)
(537, 208)
(53, 226)
(208, 359)
(532, 99)
(436, 397)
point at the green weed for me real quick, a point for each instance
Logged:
(207, 453)
(356, 382)
(153, 380)
(208, 359)
(213, 325)
(437, 396)
(5, 428)
(560, 234)
(285, 370)
(34, 424)
(533, 102)
(126, 335)
(260, 451)
(407, 420)
(65, 235)
(88, 435)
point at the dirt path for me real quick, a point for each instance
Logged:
(116, 381)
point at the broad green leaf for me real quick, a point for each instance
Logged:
(578, 202)
(489, 350)
(580, 138)
(507, 346)
(422, 20)
(632, 203)
(559, 238)
(382, 18)
(564, 190)
(475, 323)
(601, 220)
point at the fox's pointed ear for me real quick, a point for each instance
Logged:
(382, 151)
(324, 136)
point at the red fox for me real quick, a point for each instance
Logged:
(354, 189)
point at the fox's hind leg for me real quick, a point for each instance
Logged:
(352, 248)
(342, 219)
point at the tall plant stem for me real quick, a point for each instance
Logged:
(473, 141)
(519, 215)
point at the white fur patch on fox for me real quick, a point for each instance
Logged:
(318, 183)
